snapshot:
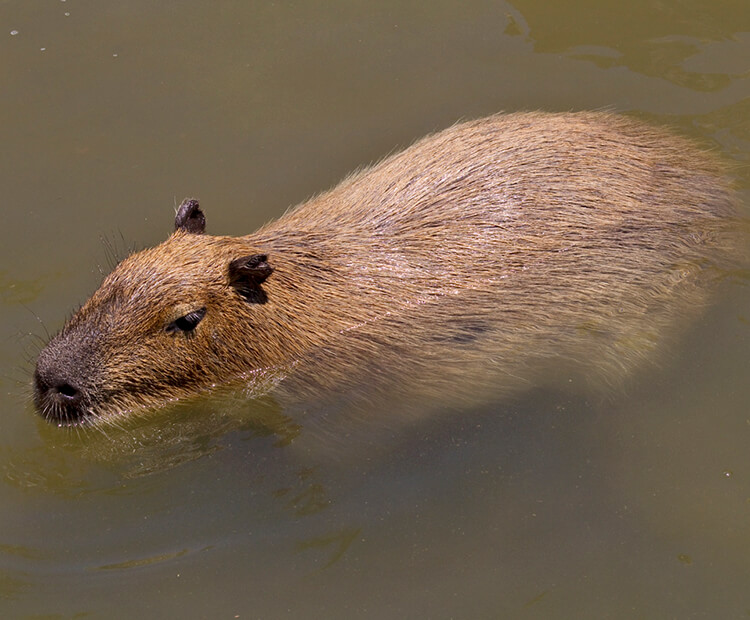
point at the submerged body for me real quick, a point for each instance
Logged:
(472, 262)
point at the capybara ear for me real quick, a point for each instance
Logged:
(190, 218)
(246, 274)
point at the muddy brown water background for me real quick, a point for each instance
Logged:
(549, 506)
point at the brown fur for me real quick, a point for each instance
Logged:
(471, 262)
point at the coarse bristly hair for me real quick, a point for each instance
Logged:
(478, 261)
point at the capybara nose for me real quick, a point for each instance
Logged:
(57, 397)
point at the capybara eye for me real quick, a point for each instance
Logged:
(186, 323)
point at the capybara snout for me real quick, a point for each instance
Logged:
(465, 264)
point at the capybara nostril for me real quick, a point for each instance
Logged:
(67, 391)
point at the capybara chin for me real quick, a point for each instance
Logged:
(466, 263)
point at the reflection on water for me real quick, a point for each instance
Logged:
(146, 443)
(340, 542)
(18, 291)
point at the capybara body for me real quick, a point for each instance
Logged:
(473, 262)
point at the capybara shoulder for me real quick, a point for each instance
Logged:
(465, 264)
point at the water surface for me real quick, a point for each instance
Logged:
(554, 505)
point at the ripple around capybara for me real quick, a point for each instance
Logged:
(481, 260)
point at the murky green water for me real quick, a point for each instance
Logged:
(552, 506)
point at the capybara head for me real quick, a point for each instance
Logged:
(180, 301)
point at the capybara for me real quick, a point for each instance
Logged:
(473, 262)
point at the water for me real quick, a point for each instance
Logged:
(550, 506)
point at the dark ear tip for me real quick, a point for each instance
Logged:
(190, 218)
